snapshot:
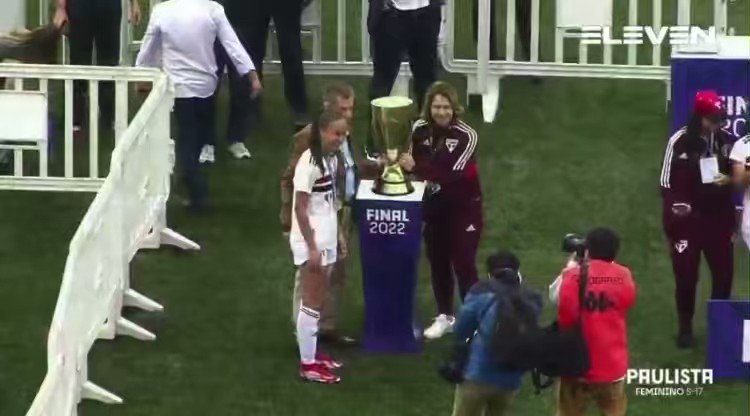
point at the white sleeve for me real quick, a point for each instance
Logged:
(305, 174)
(231, 44)
(554, 290)
(150, 52)
(740, 150)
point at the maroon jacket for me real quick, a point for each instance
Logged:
(447, 158)
(681, 177)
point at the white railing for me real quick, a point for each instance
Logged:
(127, 214)
(484, 75)
(38, 78)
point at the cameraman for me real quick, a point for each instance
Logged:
(610, 292)
(487, 387)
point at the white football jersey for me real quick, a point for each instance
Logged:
(321, 185)
(740, 153)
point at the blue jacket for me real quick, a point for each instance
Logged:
(479, 312)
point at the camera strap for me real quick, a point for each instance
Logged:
(582, 283)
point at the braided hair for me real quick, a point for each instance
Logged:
(323, 121)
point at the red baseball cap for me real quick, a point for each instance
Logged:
(708, 104)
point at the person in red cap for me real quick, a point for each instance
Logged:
(698, 208)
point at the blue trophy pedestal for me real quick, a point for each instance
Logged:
(728, 349)
(390, 234)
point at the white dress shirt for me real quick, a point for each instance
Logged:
(180, 39)
(410, 4)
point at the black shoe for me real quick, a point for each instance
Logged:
(335, 339)
(685, 340)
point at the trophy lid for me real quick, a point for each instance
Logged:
(391, 102)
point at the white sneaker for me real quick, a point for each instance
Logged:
(208, 154)
(442, 325)
(239, 151)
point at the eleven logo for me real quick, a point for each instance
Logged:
(637, 35)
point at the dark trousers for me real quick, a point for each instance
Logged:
(523, 27)
(689, 237)
(452, 234)
(194, 117)
(94, 23)
(414, 32)
(252, 26)
(238, 125)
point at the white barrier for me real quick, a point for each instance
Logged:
(41, 76)
(127, 214)
(484, 75)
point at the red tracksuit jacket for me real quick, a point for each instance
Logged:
(681, 177)
(610, 292)
(446, 157)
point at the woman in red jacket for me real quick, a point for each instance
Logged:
(443, 148)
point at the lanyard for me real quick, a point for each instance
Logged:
(710, 145)
(328, 161)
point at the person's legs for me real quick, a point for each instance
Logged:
(336, 280)
(719, 251)
(254, 29)
(296, 295)
(685, 251)
(334, 289)
(469, 400)
(286, 18)
(499, 402)
(611, 398)
(314, 365)
(523, 26)
(191, 126)
(107, 41)
(572, 398)
(422, 48)
(81, 42)
(387, 49)
(313, 292)
(466, 231)
(437, 242)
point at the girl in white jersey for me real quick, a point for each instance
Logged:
(314, 237)
(740, 157)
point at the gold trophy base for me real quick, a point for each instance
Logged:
(393, 182)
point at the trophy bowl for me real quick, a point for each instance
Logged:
(391, 133)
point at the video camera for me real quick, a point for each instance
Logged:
(574, 243)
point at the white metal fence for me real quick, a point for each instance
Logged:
(127, 214)
(484, 75)
(71, 177)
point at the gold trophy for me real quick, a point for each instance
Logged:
(391, 132)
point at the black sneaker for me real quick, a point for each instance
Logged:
(685, 340)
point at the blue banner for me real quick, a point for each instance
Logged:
(729, 77)
(390, 235)
(729, 339)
